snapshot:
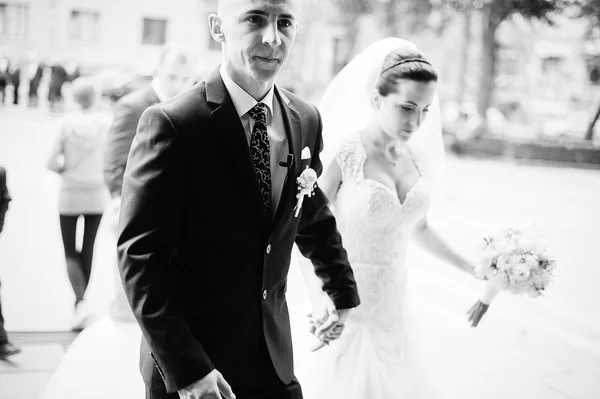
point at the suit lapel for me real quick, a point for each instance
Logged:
(234, 140)
(293, 131)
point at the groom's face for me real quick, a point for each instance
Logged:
(257, 37)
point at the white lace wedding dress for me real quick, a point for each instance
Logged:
(375, 356)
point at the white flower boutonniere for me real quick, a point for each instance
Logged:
(307, 182)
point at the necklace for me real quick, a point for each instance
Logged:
(385, 153)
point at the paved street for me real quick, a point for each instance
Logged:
(478, 196)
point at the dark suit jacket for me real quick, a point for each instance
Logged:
(204, 269)
(4, 197)
(127, 114)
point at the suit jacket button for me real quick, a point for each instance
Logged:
(265, 294)
(269, 249)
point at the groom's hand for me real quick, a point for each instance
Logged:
(212, 386)
(334, 322)
(327, 322)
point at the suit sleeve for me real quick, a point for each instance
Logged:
(4, 197)
(151, 225)
(120, 137)
(319, 240)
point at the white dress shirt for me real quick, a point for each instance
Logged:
(243, 102)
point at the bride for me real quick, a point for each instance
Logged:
(383, 112)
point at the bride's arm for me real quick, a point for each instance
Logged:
(432, 242)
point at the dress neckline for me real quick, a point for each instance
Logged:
(392, 192)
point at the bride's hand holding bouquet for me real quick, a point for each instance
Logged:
(515, 260)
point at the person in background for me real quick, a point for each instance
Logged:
(6, 348)
(15, 78)
(4, 78)
(77, 156)
(173, 74)
(34, 74)
(108, 350)
(58, 77)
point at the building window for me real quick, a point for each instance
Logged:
(84, 26)
(14, 21)
(155, 31)
(551, 64)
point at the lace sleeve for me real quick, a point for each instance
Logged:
(349, 158)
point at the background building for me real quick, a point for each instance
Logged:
(131, 33)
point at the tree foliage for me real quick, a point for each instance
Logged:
(590, 9)
(495, 12)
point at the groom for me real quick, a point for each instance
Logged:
(208, 219)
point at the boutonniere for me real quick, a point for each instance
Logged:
(307, 182)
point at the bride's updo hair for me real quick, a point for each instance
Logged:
(407, 64)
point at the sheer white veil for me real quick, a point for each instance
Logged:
(345, 108)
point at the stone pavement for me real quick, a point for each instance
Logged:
(24, 376)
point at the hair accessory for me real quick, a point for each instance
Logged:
(405, 61)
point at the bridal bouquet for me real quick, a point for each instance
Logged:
(515, 260)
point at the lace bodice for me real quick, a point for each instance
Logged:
(375, 228)
(375, 225)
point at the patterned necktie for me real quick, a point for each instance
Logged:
(261, 153)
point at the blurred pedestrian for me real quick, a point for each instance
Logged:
(174, 73)
(72, 70)
(4, 78)
(34, 74)
(58, 77)
(15, 78)
(109, 349)
(77, 156)
(6, 348)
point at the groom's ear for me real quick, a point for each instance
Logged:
(216, 28)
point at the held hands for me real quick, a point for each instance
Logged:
(326, 322)
(212, 386)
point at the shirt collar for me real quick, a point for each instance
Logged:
(159, 93)
(242, 101)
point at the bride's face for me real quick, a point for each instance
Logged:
(400, 114)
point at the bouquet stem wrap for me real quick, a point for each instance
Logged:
(488, 294)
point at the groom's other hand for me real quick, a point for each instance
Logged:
(212, 386)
